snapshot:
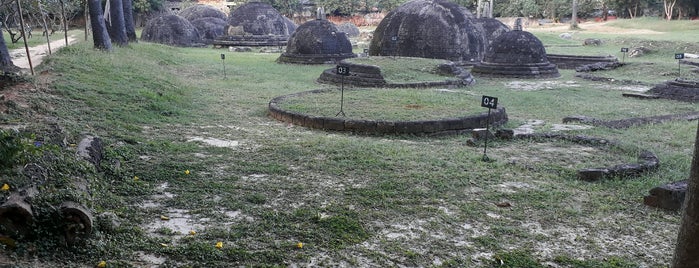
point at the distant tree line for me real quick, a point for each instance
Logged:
(539, 9)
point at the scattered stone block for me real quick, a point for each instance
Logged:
(593, 174)
(91, 149)
(566, 36)
(592, 42)
(482, 134)
(669, 196)
(638, 51)
(505, 134)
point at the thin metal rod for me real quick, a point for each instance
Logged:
(487, 132)
(342, 96)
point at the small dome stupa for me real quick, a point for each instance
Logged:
(202, 11)
(255, 24)
(315, 42)
(518, 54)
(171, 30)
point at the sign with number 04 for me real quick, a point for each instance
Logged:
(489, 102)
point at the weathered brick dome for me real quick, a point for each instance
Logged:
(171, 30)
(429, 29)
(258, 18)
(516, 54)
(202, 11)
(315, 42)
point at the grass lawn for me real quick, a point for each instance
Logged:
(195, 174)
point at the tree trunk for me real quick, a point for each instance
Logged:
(687, 249)
(6, 63)
(574, 18)
(64, 22)
(479, 7)
(129, 21)
(46, 27)
(605, 12)
(100, 37)
(669, 5)
(116, 25)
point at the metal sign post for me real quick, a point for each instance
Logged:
(342, 71)
(679, 57)
(490, 103)
(223, 62)
(394, 40)
(624, 50)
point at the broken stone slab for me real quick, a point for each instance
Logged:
(598, 66)
(647, 161)
(580, 119)
(91, 149)
(669, 196)
(481, 134)
(640, 96)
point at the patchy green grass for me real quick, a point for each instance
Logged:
(383, 104)
(261, 187)
(405, 69)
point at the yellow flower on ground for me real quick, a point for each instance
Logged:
(135, 178)
(192, 232)
(5, 187)
(219, 245)
(186, 172)
(102, 264)
(299, 245)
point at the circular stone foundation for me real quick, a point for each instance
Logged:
(574, 61)
(367, 75)
(496, 117)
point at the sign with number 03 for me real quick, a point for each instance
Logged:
(342, 70)
(679, 56)
(489, 102)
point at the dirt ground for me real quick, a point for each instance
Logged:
(37, 53)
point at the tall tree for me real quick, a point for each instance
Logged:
(574, 16)
(100, 37)
(669, 6)
(128, 20)
(115, 23)
(687, 248)
(6, 63)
